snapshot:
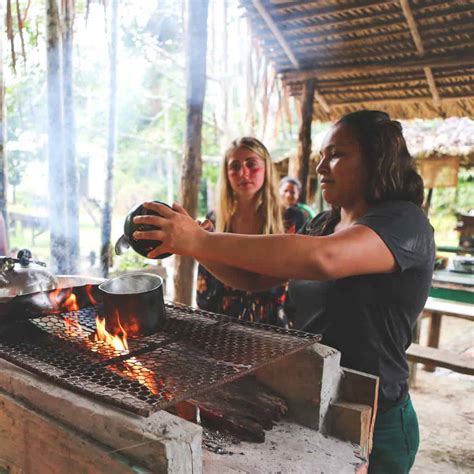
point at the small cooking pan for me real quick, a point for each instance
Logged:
(133, 302)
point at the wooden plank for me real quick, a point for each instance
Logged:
(352, 422)
(359, 387)
(30, 442)
(441, 358)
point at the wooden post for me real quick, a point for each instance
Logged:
(3, 156)
(196, 48)
(434, 332)
(56, 165)
(299, 166)
(105, 251)
(72, 175)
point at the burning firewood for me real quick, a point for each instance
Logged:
(245, 408)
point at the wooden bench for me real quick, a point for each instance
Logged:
(441, 358)
(431, 356)
(435, 309)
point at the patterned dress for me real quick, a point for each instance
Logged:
(261, 307)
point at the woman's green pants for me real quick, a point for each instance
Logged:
(396, 440)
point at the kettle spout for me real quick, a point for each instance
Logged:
(122, 245)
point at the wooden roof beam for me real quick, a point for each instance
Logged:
(463, 58)
(308, 4)
(276, 32)
(461, 28)
(284, 45)
(420, 49)
(323, 12)
(388, 100)
(324, 34)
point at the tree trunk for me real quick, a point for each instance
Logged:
(72, 177)
(196, 48)
(3, 156)
(57, 172)
(106, 249)
(299, 166)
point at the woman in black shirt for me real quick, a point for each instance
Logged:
(359, 274)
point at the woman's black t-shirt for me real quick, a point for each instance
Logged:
(369, 318)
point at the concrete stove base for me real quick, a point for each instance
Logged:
(288, 447)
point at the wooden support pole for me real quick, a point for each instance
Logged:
(196, 48)
(299, 166)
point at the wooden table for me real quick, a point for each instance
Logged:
(453, 286)
(451, 294)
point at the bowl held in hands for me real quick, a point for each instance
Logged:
(142, 247)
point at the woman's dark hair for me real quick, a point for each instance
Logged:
(391, 169)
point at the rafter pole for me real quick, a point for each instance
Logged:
(276, 32)
(462, 59)
(420, 49)
(281, 40)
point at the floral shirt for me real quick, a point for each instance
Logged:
(261, 307)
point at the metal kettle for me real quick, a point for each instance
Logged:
(142, 247)
(23, 275)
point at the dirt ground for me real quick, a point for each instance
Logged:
(444, 402)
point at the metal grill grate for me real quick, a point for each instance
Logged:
(193, 352)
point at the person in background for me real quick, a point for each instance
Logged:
(359, 274)
(247, 204)
(290, 190)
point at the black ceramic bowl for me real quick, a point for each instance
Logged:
(143, 247)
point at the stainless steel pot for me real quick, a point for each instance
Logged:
(133, 302)
(23, 275)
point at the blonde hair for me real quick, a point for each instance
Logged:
(268, 202)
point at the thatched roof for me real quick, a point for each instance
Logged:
(434, 139)
(411, 58)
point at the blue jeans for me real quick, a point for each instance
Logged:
(396, 440)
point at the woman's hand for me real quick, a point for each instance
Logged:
(178, 232)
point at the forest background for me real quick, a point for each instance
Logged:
(243, 97)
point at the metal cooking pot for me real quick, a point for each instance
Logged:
(133, 302)
(23, 275)
(143, 247)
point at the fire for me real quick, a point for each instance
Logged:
(103, 340)
(118, 342)
(71, 303)
(89, 294)
(133, 368)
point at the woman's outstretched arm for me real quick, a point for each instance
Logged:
(354, 251)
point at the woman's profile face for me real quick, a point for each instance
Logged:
(245, 172)
(341, 170)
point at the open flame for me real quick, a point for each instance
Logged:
(118, 342)
(133, 368)
(102, 340)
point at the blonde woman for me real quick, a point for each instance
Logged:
(248, 203)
